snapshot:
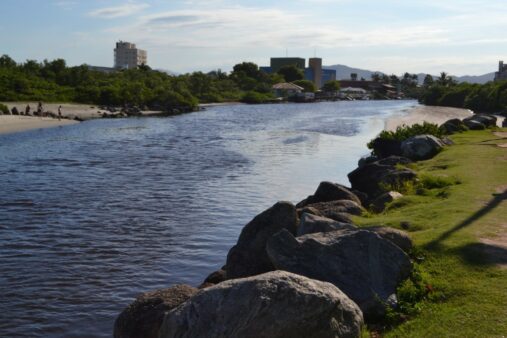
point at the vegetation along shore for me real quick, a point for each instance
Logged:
(414, 248)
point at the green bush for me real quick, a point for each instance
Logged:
(4, 109)
(405, 132)
(255, 97)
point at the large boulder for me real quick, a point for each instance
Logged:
(328, 191)
(248, 257)
(339, 206)
(311, 224)
(421, 147)
(384, 147)
(274, 304)
(394, 160)
(474, 124)
(453, 126)
(375, 178)
(379, 203)
(142, 318)
(366, 267)
(398, 237)
(486, 119)
(213, 278)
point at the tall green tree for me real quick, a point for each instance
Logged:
(291, 73)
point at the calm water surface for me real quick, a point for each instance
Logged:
(95, 213)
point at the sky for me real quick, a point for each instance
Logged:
(461, 37)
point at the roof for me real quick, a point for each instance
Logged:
(287, 86)
(353, 89)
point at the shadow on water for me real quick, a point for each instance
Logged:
(492, 204)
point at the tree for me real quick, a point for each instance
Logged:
(308, 86)
(375, 77)
(291, 73)
(353, 76)
(445, 80)
(428, 81)
(331, 86)
(7, 62)
(249, 69)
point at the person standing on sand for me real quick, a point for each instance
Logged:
(27, 109)
(59, 113)
(39, 109)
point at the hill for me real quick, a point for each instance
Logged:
(343, 72)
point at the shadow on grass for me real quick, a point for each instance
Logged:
(497, 199)
(481, 254)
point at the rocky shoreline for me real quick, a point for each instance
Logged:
(303, 270)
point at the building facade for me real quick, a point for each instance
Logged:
(127, 56)
(277, 63)
(313, 72)
(502, 72)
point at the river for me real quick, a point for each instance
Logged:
(93, 214)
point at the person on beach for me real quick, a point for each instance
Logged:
(59, 113)
(39, 109)
(27, 109)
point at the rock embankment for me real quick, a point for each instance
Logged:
(302, 270)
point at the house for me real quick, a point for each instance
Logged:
(285, 89)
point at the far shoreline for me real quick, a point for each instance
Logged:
(71, 111)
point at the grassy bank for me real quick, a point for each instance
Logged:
(457, 222)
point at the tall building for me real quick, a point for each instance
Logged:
(502, 72)
(316, 65)
(277, 63)
(127, 56)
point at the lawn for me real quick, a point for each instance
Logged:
(457, 221)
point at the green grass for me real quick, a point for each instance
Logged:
(453, 205)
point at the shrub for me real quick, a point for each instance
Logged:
(405, 132)
(255, 97)
(4, 109)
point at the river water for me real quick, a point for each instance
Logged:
(93, 214)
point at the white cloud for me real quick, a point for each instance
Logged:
(118, 11)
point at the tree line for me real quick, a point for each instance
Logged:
(54, 81)
(445, 91)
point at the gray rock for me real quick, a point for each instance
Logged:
(142, 318)
(308, 210)
(379, 204)
(214, 278)
(486, 119)
(421, 147)
(394, 160)
(375, 178)
(328, 191)
(339, 206)
(384, 147)
(311, 224)
(367, 159)
(474, 124)
(248, 257)
(504, 123)
(398, 237)
(274, 304)
(453, 126)
(366, 267)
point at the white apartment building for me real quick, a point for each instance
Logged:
(127, 56)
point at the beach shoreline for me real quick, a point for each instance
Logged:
(17, 123)
(420, 113)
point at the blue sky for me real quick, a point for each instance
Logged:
(463, 37)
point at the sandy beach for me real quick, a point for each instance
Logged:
(431, 114)
(15, 123)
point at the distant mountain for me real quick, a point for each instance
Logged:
(343, 73)
(477, 78)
